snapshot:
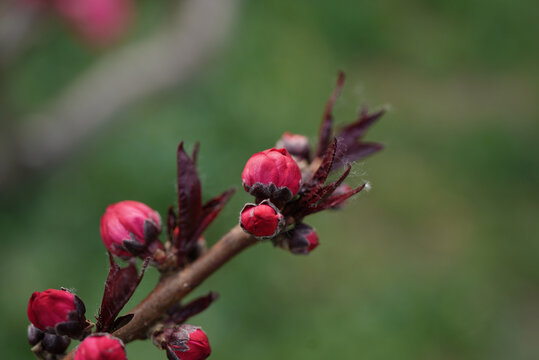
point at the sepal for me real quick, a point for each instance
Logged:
(55, 344)
(47, 346)
(34, 335)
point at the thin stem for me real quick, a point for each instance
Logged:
(172, 288)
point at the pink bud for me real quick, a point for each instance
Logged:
(185, 342)
(53, 309)
(101, 346)
(100, 22)
(300, 240)
(272, 174)
(263, 221)
(129, 227)
(297, 145)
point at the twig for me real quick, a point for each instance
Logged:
(174, 287)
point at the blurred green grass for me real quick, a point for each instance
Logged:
(438, 261)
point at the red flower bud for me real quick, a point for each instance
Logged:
(100, 22)
(185, 342)
(300, 240)
(297, 145)
(101, 346)
(272, 174)
(57, 311)
(262, 221)
(130, 228)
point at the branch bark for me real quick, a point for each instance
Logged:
(174, 287)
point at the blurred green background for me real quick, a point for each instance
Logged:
(440, 260)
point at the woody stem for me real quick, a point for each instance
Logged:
(172, 288)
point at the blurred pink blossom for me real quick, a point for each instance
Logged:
(100, 22)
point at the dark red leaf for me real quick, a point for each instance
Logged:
(189, 197)
(196, 147)
(211, 209)
(180, 314)
(119, 287)
(319, 177)
(363, 150)
(121, 321)
(315, 197)
(323, 170)
(351, 148)
(172, 222)
(359, 127)
(357, 152)
(333, 201)
(329, 189)
(327, 121)
(310, 190)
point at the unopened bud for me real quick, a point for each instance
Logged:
(300, 240)
(272, 174)
(130, 228)
(57, 312)
(297, 145)
(101, 346)
(185, 342)
(263, 221)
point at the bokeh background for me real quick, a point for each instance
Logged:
(440, 260)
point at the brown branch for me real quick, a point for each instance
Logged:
(174, 287)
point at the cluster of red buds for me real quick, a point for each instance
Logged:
(129, 229)
(288, 183)
(98, 22)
